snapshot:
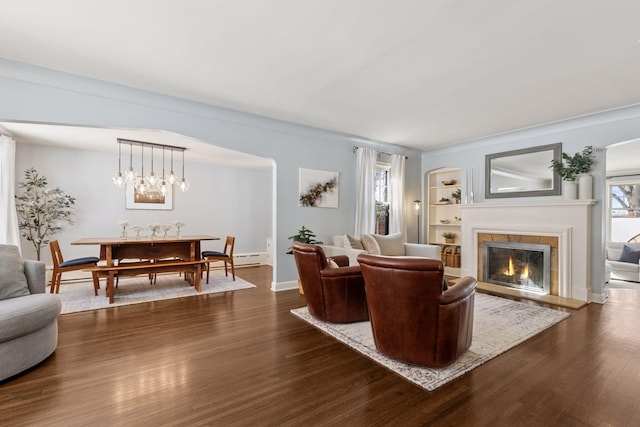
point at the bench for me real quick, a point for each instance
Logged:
(150, 267)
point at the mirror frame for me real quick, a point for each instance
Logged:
(556, 189)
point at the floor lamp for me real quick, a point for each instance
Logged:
(416, 210)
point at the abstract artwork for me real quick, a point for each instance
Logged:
(318, 189)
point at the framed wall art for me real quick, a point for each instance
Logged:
(318, 189)
(151, 199)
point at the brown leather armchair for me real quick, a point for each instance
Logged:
(412, 318)
(333, 294)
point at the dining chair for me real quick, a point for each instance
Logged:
(61, 266)
(226, 257)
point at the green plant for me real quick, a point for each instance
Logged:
(449, 235)
(569, 167)
(457, 195)
(304, 236)
(41, 210)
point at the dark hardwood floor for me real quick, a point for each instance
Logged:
(240, 358)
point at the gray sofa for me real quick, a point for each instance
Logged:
(621, 270)
(28, 315)
(389, 245)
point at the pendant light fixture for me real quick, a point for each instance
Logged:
(172, 176)
(184, 184)
(141, 187)
(131, 174)
(119, 179)
(163, 183)
(145, 184)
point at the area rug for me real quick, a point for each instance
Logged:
(499, 324)
(134, 290)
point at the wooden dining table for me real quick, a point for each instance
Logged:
(180, 252)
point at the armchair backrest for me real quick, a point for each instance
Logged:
(412, 319)
(310, 259)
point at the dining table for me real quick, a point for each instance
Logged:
(148, 251)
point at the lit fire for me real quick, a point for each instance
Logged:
(509, 271)
(524, 276)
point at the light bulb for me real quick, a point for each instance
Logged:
(163, 187)
(119, 179)
(172, 177)
(131, 175)
(141, 187)
(184, 184)
(152, 179)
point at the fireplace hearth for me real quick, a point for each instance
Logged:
(521, 265)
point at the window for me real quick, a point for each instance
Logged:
(383, 178)
(624, 211)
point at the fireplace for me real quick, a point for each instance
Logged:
(521, 265)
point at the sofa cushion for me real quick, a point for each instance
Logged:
(338, 241)
(23, 315)
(353, 242)
(370, 244)
(13, 282)
(391, 245)
(629, 255)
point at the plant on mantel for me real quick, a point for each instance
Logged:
(569, 167)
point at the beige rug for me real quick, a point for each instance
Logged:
(134, 290)
(499, 324)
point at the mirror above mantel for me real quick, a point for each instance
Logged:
(522, 173)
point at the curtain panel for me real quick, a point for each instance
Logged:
(396, 193)
(365, 198)
(9, 232)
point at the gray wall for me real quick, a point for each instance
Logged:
(599, 130)
(35, 94)
(207, 208)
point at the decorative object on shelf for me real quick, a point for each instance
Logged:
(165, 230)
(457, 195)
(449, 237)
(41, 210)
(304, 236)
(457, 220)
(571, 167)
(318, 189)
(178, 225)
(137, 229)
(123, 224)
(444, 201)
(449, 182)
(445, 221)
(155, 229)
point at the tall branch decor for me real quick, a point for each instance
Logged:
(318, 188)
(41, 211)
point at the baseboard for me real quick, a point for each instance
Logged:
(599, 298)
(284, 286)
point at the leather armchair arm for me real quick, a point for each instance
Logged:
(341, 260)
(332, 273)
(463, 288)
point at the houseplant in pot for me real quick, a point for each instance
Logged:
(449, 237)
(575, 167)
(304, 236)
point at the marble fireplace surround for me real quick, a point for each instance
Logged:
(567, 220)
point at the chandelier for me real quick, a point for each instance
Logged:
(145, 183)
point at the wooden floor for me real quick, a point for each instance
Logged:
(240, 358)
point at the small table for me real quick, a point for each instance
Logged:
(184, 248)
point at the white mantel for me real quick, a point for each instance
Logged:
(569, 220)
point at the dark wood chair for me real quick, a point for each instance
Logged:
(61, 266)
(412, 318)
(226, 256)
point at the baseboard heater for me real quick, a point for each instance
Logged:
(245, 260)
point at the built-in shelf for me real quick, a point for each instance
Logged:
(450, 211)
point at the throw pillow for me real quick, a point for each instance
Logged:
(391, 245)
(331, 263)
(13, 282)
(370, 244)
(338, 241)
(630, 255)
(354, 242)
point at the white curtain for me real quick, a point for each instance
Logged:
(365, 198)
(396, 196)
(9, 232)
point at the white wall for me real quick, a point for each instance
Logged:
(35, 94)
(221, 201)
(598, 130)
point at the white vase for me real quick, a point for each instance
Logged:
(585, 186)
(570, 190)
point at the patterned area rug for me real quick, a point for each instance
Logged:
(134, 290)
(499, 324)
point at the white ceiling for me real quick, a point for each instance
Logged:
(410, 72)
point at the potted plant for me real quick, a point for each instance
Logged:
(41, 210)
(449, 237)
(457, 195)
(304, 236)
(577, 166)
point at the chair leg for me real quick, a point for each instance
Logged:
(96, 283)
(208, 267)
(233, 271)
(226, 273)
(57, 284)
(52, 285)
